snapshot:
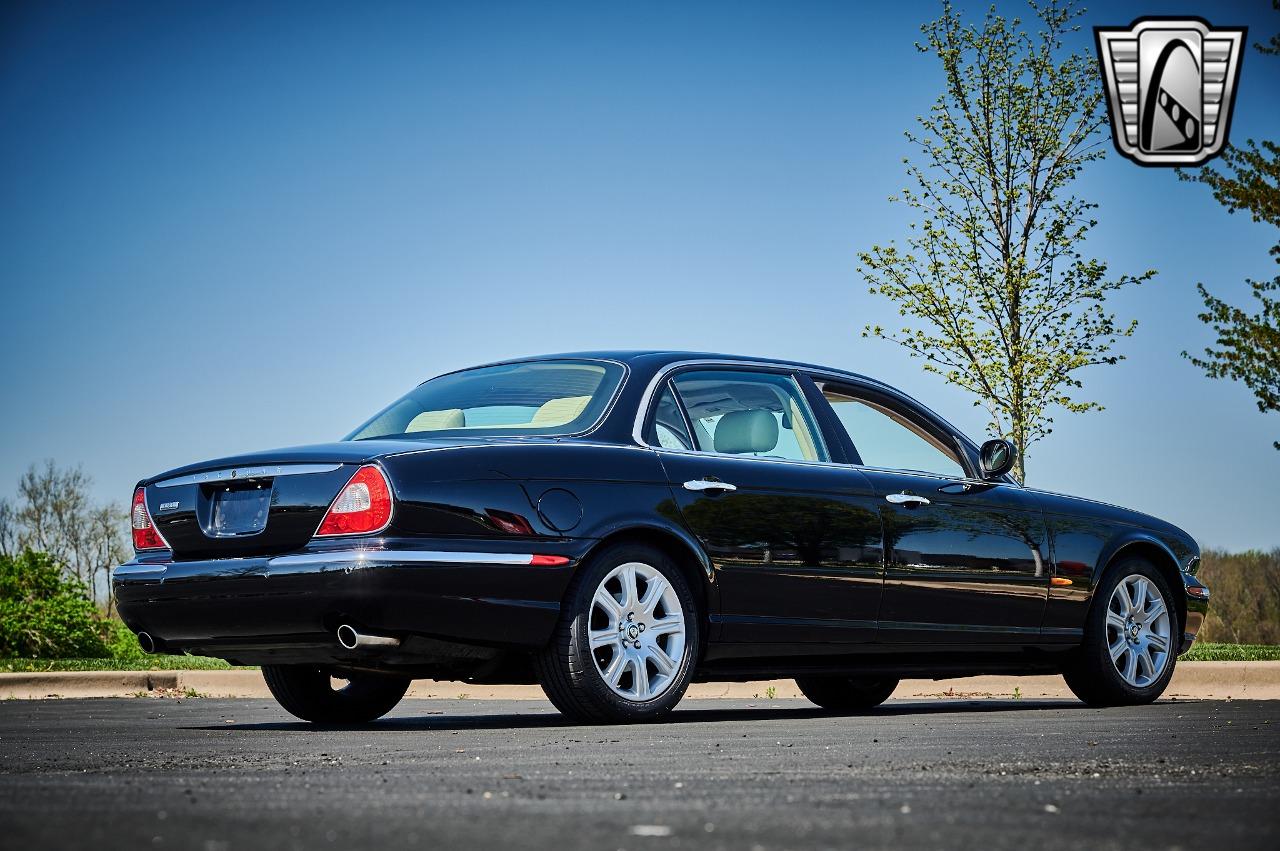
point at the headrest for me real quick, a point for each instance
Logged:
(556, 412)
(436, 420)
(755, 430)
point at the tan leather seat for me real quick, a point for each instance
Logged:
(437, 420)
(751, 431)
(556, 412)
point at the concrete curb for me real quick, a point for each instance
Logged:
(1193, 680)
(87, 683)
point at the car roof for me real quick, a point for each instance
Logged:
(657, 358)
(651, 361)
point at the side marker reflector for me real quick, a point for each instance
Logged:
(548, 561)
(1059, 580)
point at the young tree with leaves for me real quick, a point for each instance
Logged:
(1008, 308)
(54, 514)
(1248, 344)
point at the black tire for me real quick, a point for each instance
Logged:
(307, 692)
(1092, 675)
(846, 694)
(567, 667)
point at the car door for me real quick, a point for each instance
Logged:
(967, 561)
(795, 539)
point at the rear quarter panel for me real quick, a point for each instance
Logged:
(568, 491)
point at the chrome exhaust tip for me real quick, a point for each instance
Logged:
(350, 639)
(146, 642)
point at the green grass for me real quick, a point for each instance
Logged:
(1209, 652)
(143, 663)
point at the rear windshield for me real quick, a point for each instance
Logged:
(531, 398)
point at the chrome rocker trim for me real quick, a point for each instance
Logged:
(400, 557)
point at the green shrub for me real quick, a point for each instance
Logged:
(120, 641)
(1245, 606)
(43, 614)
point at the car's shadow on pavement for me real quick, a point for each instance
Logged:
(689, 715)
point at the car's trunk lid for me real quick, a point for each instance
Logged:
(259, 503)
(264, 503)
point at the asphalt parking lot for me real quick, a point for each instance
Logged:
(228, 774)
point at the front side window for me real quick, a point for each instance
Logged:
(753, 414)
(884, 438)
(530, 398)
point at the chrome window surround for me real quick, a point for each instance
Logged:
(819, 439)
(817, 374)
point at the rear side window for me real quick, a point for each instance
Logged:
(666, 425)
(753, 414)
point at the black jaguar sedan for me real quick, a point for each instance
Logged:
(616, 525)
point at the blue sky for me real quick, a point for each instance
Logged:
(227, 227)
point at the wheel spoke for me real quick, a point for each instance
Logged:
(1121, 595)
(640, 677)
(617, 666)
(666, 626)
(629, 593)
(610, 604)
(664, 663)
(1147, 664)
(1115, 620)
(1139, 594)
(1118, 648)
(653, 594)
(1131, 667)
(1158, 642)
(603, 638)
(1157, 609)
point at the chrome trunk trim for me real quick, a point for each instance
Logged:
(264, 471)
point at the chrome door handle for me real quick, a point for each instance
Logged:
(908, 499)
(707, 485)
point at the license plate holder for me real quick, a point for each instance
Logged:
(241, 510)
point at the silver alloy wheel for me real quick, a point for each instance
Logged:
(1138, 630)
(637, 631)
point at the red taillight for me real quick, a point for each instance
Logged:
(363, 506)
(145, 534)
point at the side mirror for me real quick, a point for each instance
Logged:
(996, 458)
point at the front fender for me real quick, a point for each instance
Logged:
(1088, 537)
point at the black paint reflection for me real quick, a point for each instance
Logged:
(975, 556)
(784, 529)
(798, 548)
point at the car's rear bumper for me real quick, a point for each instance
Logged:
(241, 608)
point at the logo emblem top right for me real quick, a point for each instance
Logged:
(1170, 85)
